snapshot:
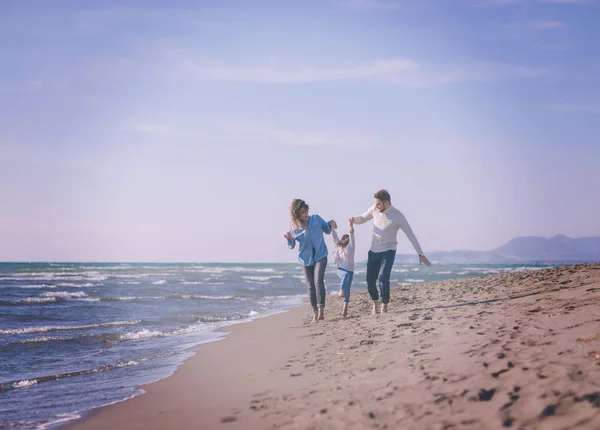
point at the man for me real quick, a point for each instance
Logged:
(387, 220)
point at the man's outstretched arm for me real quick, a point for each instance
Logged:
(405, 226)
(368, 215)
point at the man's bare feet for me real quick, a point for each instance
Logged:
(341, 293)
(321, 313)
(345, 310)
(375, 307)
(315, 316)
(384, 308)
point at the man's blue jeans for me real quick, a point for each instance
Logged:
(379, 268)
(346, 277)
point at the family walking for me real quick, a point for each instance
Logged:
(308, 231)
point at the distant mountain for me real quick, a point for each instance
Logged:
(525, 250)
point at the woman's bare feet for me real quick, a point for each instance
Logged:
(315, 316)
(341, 293)
(375, 307)
(384, 308)
(321, 313)
(345, 310)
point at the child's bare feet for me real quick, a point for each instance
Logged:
(384, 308)
(375, 307)
(341, 293)
(321, 313)
(345, 310)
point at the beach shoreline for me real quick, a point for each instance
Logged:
(514, 350)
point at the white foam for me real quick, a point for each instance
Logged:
(262, 278)
(214, 297)
(70, 284)
(44, 339)
(64, 294)
(44, 329)
(161, 282)
(38, 286)
(24, 384)
(414, 280)
(39, 299)
(144, 334)
(214, 270)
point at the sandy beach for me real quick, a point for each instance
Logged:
(518, 350)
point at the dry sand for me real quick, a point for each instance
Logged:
(519, 350)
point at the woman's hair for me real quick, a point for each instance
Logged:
(344, 237)
(295, 208)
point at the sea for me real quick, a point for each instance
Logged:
(75, 336)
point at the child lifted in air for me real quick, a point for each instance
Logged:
(344, 259)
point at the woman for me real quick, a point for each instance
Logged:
(308, 231)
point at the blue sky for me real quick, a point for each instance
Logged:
(181, 131)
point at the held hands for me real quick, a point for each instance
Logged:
(351, 225)
(288, 236)
(332, 224)
(424, 260)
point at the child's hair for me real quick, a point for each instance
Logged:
(344, 237)
(295, 208)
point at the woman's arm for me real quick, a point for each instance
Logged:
(290, 240)
(325, 226)
(336, 239)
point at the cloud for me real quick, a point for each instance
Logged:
(539, 25)
(398, 71)
(573, 108)
(301, 138)
(366, 4)
(280, 75)
(483, 3)
(566, 1)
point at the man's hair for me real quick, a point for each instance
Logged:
(383, 195)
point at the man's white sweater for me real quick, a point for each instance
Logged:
(385, 229)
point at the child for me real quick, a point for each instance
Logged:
(344, 259)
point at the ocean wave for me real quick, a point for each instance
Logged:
(29, 382)
(64, 294)
(70, 284)
(237, 269)
(119, 299)
(39, 299)
(44, 329)
(144, 334)
(24, 384)
(33, 287)
(161, 282)
(201, 297)
(262, 278)
(40, 379)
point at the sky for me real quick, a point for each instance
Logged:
(181, 131)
